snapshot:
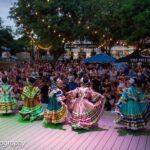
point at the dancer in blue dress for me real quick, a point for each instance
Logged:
(132, 108)
(56, 111)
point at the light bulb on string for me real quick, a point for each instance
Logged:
(95, 32)
(36, 13)
(28, 5)
(43, 20)
(63, 41)
(49, 26)
(79, 22)
(19, 19)
(59, 8)
(54, 31)
(88, 27)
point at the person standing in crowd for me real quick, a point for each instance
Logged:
(44, 92)
(32, 108)
(71, 84)
(7, 98)
(56, 111)
(132, 108)
(85, 106)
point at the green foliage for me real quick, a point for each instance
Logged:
(21, 44)
(6, 37)
(134, 18)
(101, 21)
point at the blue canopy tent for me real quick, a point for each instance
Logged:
(99, 58)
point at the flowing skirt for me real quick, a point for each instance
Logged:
(85, 113)
(56, 112)
(31, 110)
(133, 114)
(7, 105)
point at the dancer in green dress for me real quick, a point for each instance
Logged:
(32, 108)
(7, 98)
(132, 108)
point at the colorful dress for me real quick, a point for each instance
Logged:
(132, 109)
(32, 108)
(56, 111)
(85, 106)
(7, 99)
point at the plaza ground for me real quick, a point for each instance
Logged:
(36, 136)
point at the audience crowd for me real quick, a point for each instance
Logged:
(106, 79)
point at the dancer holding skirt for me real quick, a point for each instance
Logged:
(85, 105)
(56, 111)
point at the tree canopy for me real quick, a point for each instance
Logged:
(51, 23)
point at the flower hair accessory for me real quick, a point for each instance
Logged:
(59, 80)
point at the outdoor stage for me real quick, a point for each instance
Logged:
(36, 137)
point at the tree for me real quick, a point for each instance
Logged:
(21, 44)
(134, 19)
(5, 37)
(50, 23)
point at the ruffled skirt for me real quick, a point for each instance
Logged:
(56, 116)
(85, 114)
(133, 114)
(8, 106)
(31, 113)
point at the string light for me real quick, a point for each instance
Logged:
(69, 16)
(95, 32)
(79, 22)
(28, 5)
(30, 35)
(88, 27)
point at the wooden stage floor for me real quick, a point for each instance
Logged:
(16, 135)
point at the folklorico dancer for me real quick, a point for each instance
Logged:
(7, 98)
(56, 111)
(85, 106)
(132, 108)
(32, 108)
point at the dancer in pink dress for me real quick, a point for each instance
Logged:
(85, 105)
